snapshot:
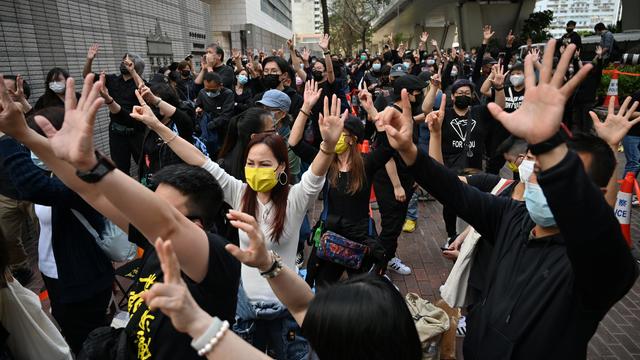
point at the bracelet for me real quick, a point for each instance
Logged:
(498, 89)
(305, 113)
(327, 52)
(325, 151)
(275, 269)
(548, 145)
(110, 102)
(211, 337)
(175, 135)
(158, 103)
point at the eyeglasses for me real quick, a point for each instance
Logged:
(467, 93)
(272, 72)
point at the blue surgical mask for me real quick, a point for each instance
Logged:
(242, 79)
(212, 94)
(39, 163)
(376, 67)
(537, 205)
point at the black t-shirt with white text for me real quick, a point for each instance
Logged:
(150, 333)
(463, 136)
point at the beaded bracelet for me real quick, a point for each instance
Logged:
(217, 327)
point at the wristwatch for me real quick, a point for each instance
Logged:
(548, 145)
(102, 168)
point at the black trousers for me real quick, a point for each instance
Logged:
(77, 319)
(392, 213)
(124, 146)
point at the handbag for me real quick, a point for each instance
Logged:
(113, 241)
(454, 290)
(32, 335)
(431, 322)
(334, 247)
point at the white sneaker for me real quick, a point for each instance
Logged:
(396, 265)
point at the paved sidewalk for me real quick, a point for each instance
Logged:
(618, 336)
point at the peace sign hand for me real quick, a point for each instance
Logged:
(12, 121)
(540, 115)
(615, 126)
(172, 296)
(365, 97)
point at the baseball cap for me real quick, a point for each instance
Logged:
(489, 60)
(398, 70)
(354, 126)
(409, 82)
(460, 83)
(276, 99)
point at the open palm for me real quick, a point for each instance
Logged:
(540, 115)
(74, 141)
(311, 93)
(330, 121)
(615, 126)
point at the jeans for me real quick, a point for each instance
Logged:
(270, 327)
(632, 154)
(412, 211)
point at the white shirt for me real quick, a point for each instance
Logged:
(46, 260)
(300, 197)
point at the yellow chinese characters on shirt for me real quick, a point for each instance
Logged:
(144, 325)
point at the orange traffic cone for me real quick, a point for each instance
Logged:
(365, 147)
(623, 205)
(612, 92)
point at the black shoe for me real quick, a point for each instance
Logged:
(23, 275)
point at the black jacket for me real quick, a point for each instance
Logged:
(544, 297)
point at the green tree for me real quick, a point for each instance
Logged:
(536, 26)
(351, 21)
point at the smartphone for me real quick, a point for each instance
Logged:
(444, 248)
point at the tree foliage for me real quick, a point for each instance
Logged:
(351, 22)
(536, 26)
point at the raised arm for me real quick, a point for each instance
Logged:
(149, 213)
(434, 122)
(430, 97)
(132, 71)
(295, 61)
(498, 84)
(311, 97)
(324, 45)
(91, 55)
(595, 246)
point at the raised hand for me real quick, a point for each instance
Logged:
(399, 125)
(93, 51)
(540, 115)
(499, 75)
(130, 66)
(74, 141)
(173, 297)
(203, 62)
(365, 97)
(324, 42)
(510, 38)
(290, 44)
(599, 51)
(12, 121)
(435, 79)
(143, 113)
(487, 34)
(330, 121)
(104, 92)
(256, 254)
(311, 93)
(615, 126)
(18, 93)
(235, 54)
(434, 43)
(535, 55)
(424, 37)
(434, 119)
(306, 54)
(148, 96)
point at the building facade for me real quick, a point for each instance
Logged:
(586, 13)
(307, 17)
(37, 35)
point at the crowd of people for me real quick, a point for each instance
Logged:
(230, 157)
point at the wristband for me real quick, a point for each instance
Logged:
(103, 166)
(327, 52)
(205, 343)
(305, 113)
(275, 269)
(546, 146)
(110, 102)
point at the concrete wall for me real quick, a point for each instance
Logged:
(37, 35)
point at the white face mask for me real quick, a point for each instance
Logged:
(454, 72)
(57, 87)
(526, 169)
(407, 65)
(517, 80)
(430, 61)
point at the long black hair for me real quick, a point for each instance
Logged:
(362, 318)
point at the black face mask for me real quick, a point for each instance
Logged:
(462, 101)
(271, 81)
(123, 69)
(185, 73)
(317, 75)
(569, 30)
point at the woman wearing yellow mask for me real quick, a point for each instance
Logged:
(279, 209)
(349, 185)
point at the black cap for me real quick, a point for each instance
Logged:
(409, 82)
(355, 127)
(425, 76)
(460, 83)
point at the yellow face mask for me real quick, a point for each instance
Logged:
(260, 179)
(513, 167)
(342, 145)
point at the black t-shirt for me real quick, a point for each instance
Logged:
(227, 75)
(463, 136)
(497, 133)
(150, 333)
(123, 92)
